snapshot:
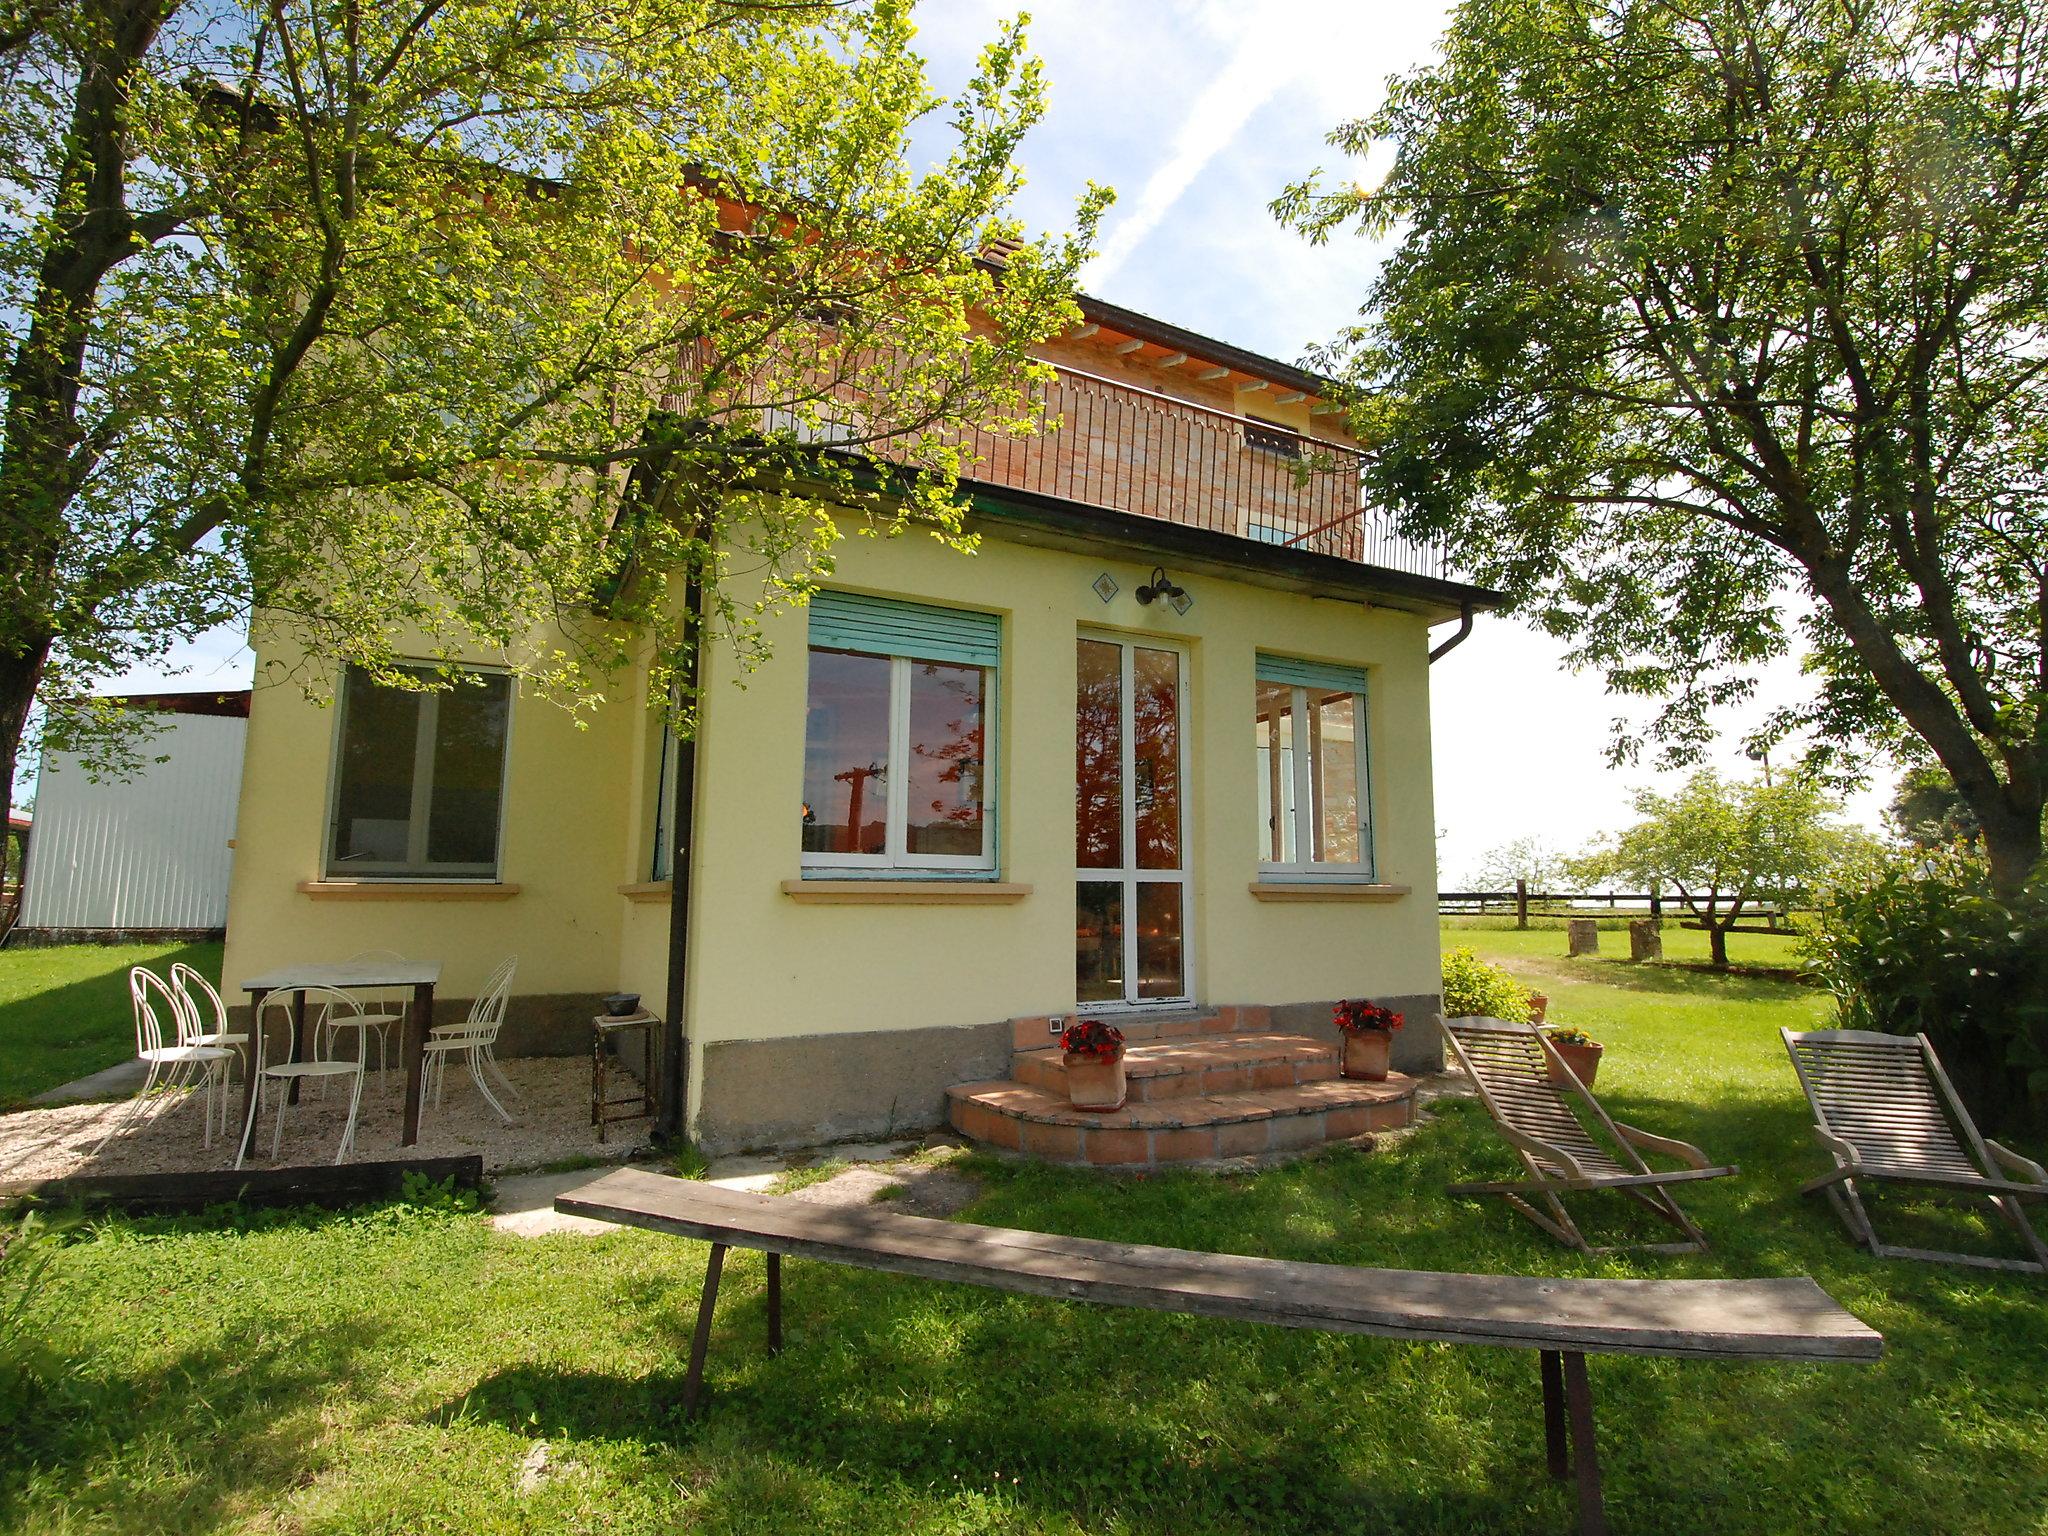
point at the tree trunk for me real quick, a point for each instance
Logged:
(2012, 844)
(1717, 945)
(21, 671)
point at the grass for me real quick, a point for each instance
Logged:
(392, 1370)
(64, 1012)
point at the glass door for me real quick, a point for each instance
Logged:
(1130, 843)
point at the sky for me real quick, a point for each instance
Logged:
(1199, 113)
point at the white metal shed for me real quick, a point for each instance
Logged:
(149, 852)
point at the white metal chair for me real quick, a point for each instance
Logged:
(382, 1012)
(321, 1067)
(169, 1057)
(477, 1039)
(207, 1025)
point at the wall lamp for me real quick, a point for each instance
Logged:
(1159, 586)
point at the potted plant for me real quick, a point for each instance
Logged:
(1094, 1055)
(1368, 1031)
(1581, 1052)
(1539, 1005)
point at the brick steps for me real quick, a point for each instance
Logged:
(1191, 1128)
(1197, 1066)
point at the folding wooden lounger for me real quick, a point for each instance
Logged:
(1888, 1114)
(1527, 1088)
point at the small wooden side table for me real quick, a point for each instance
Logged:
(603, 1107)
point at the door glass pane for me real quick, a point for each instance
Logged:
(373, 798)
(846, 754)
(1099, 942)
(1161, 972)
(1098, 757)
(469, 768)
(1275, 734)
(1334, 769)
(946, 733)
(1155, 756)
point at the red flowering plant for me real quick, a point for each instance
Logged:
(1092, 1037)
(1359, 1016)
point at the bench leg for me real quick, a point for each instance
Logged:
(1553, 1414)
(693, 1379)
(774, 1303)
(1578, 1393)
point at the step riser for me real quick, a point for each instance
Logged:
(1143, 1147)
(1052, 1077)
(1035, 1034)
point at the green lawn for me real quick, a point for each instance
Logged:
(64, 1012)
(394, 1370)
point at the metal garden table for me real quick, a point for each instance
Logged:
(352, 975)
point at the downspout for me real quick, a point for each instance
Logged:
(673, 1098)
(1464, 632)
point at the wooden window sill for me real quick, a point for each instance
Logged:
(1327, 890)
(905, 893)
(408, 890)
(648, 890)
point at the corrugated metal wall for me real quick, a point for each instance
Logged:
(148, 853)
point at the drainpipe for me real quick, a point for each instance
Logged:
(672, 1115)
(1464, 631)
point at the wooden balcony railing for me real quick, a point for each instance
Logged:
(1149, 455)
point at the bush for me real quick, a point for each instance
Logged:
(1472, 988)
(1919, 944)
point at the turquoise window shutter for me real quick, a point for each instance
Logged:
(887, 626)
(1310, 674)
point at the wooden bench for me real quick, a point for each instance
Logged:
(1564, 1320)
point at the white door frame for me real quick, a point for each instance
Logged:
(1128, 875)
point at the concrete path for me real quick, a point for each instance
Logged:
(117, 1082)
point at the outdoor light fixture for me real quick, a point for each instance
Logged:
(1159, 587)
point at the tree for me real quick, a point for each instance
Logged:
(1522, 858)
(1725, 846)
(1712, 324)
(484, 324)
(1927, 812)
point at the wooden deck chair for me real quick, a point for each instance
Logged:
(1888, 1114)
(1529, 1090)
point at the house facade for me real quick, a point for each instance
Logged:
(1158, 751)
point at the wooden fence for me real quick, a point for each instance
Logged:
(1521, 904)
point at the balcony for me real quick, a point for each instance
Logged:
(1132, 451)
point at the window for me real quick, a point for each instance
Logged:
(896, 737)
(1278, 441)
(420, 777)
(1314, 800)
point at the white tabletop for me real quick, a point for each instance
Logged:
(349, 973)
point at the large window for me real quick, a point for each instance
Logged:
(1314, 804)
(419, 777)
(897, 744)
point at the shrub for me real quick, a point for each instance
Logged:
(1920, 944)
(1473, 988)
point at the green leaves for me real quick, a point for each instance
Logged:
(415, 289)
(1715, 332)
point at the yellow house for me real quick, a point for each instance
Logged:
(1158, 752)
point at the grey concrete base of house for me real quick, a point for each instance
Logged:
(115, 1082)
(812, 1089)
(801, 1092)
(1418, 1044)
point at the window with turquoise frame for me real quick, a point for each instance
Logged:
(899, 727)
(1315, 801)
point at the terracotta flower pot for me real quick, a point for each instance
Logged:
(1093, 1083)
(1584, 1060)
(1365, 1054)
(1539, 1005)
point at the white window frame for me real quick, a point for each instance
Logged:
(415, 865)
(1301, 770)
(896, 861)
(1127, 875)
